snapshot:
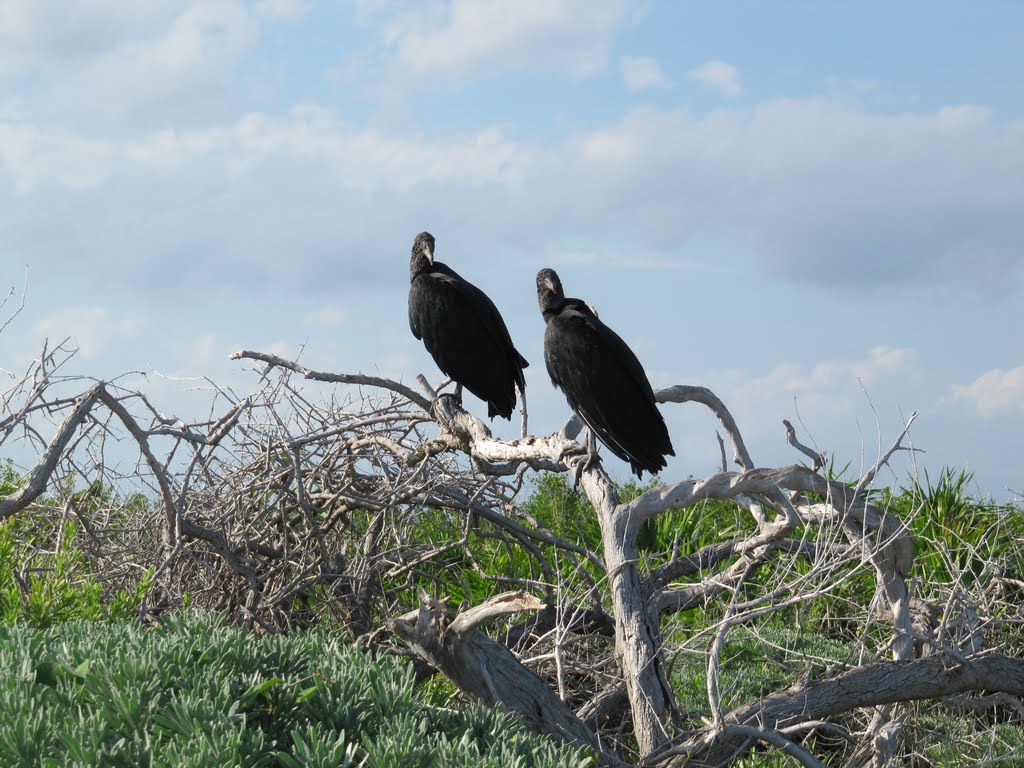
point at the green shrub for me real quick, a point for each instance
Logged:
(563, 509)
(44, 582)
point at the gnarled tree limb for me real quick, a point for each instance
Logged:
(486, 669)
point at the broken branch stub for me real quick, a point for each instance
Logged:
(484, 668)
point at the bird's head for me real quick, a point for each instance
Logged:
(424, 244)
(422, 254)
(549, 290)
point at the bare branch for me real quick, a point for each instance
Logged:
(494, 608)
(818, 459)
(883, 682)
(897, 445)
(337, 378)
(40, 474)
(21, 306)
(682, 393)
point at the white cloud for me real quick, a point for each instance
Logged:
(91, 329)
(817, 193)
(718, 75)
(185, 71)
(641, 72)
(187, 210)
(286, 10)
(326, 318)
(995, 392)
(965, 117)
(831, 384)
(820, 193)
(121, 66)
(52, 33)
(477, 37)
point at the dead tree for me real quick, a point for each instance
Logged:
(791, 495)
(306, 500)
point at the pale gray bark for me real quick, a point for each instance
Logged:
(486, 670)
(884, 682)
(39, 477)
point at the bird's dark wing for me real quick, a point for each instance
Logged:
(465, 334)
(486, 313)
(416, 309)
(624, 355)
(606, 385)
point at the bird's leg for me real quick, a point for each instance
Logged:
(592, 457)
(522, 429)
(458, 393)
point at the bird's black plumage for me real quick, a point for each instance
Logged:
(463, 331)
(601, 378)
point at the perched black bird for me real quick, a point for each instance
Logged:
(463, 331)
(601, 378)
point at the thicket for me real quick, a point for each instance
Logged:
(190, 691)
(700, 621)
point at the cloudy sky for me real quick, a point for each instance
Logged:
(814, 209)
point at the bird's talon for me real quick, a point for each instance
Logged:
(587, 461)
(569, 451)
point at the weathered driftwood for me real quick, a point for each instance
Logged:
(485, 669)
(883, 682)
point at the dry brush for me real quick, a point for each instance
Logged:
(304, 502)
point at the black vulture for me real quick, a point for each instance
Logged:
(463, 331)
(601, 378)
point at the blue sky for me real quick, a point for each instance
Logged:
(814, 209)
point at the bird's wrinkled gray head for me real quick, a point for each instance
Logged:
(424, 244)
(549, 290)
(422, 254)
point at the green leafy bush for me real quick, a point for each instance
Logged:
(196, 693)
(46, 577)
(45, 582)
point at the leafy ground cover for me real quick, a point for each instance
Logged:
(197, 693)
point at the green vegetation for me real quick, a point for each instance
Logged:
(960, 539)
(46, 577)
(45, 583)
(196, 693)
(81, 684)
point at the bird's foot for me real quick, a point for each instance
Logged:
(579, 458)
(589, 461)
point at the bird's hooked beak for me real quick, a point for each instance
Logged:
(428, 253)
(549, 283)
